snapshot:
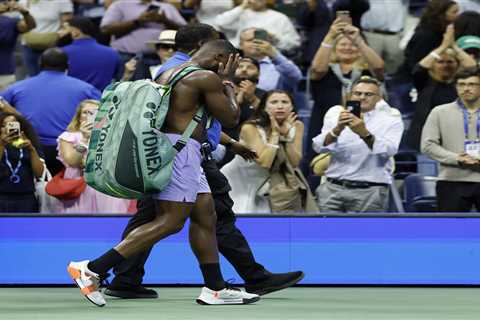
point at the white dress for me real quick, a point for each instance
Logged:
(249, 183)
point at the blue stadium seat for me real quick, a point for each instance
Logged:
(420, 193)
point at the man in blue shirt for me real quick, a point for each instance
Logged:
(88, 60)
(231, 242)
(49, 101)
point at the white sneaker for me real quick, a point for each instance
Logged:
(226, 296)
(87, 281)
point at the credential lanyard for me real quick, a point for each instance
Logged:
(465, 119)
(14, 177)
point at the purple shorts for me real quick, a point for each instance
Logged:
(188, 178)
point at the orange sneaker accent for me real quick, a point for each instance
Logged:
(89, 289)
(74, 273)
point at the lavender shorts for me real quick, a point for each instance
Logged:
(188, 178)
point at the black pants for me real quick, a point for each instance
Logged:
(453, 196)
(231, 242)
(53, 165)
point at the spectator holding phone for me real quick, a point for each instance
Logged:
(276, 71)
(72, 152)
(20, 163)
(48, 100)
(361, 143)
(342, 58)
(132, 23)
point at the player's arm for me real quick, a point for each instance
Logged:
(219, 98)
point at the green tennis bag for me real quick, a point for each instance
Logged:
(128, 156)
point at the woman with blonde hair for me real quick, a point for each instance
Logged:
(72, 152)
(342, 58)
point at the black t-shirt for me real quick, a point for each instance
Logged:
(431, 93)
(25, 172)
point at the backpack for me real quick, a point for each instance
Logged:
(128, 156)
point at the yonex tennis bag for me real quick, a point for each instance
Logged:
(128, 155)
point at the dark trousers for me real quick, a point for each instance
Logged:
(53, 165)
(455, 196)
(231, 242)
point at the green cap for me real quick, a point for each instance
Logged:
(467, 42)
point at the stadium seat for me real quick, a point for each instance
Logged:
(420, 193)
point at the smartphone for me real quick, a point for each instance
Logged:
(344, 15)
(354, 108)
(260, 35)
(13, 128)
(153, 7)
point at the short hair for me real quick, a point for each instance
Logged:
(467, 74)
(220, 46)
(368, 80)
(85, 25)
(54, 59)
(189, 36)
(252, 60)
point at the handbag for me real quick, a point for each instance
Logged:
(320, 163)
(289, 190)
(65, 189)
(47, 203)
(40, 40)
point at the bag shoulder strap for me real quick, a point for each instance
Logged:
(179, 75)
(197, 118)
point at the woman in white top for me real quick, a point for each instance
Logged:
(273, 123)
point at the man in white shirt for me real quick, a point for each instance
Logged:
(361, 148)
(254, 13)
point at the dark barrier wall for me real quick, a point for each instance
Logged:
(331, 250)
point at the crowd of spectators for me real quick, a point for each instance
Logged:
(360, 82)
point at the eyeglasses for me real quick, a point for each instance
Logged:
(462, 85)
(366, 94)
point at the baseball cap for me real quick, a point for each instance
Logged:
(165, 37)
(468, 42)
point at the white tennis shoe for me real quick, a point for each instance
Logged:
(226, 296)
(87, 281)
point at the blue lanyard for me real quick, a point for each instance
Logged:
(465, 119)
(14, 177)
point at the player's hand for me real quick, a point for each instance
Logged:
(148, 16)
(227, 72)
(243, 151)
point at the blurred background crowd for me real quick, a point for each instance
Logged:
(350, 105)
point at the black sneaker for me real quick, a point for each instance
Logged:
(275, 282)
(138, 292)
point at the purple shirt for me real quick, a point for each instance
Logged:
(127, 10)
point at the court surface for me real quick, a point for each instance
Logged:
(294, 303)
